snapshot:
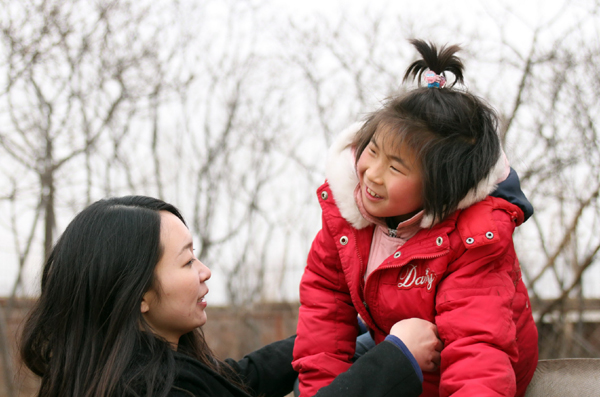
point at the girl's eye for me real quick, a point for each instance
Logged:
(396, 169)
(190, 262)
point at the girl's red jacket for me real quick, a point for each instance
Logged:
(462, 274)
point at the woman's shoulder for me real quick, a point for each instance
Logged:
(186, 375)
(191, 375)
(194, 378)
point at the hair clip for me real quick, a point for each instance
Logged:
(434, 80)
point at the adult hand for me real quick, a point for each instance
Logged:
(422, 339)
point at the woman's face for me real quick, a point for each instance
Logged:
(176, 305)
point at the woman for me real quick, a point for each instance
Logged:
(121, 307)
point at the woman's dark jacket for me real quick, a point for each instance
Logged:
(383, 371)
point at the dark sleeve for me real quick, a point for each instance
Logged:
(384, 371)
(268, 371)
(510, 190)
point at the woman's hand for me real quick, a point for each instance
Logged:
(422, 339)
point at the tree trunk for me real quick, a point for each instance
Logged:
(5, 352)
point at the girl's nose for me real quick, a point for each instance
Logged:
(373, 172)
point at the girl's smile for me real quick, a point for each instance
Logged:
(372, 193)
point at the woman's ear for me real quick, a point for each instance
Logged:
(145, 306)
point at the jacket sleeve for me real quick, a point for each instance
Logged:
(268, 371)
(327, 320)
(383, 371)
(474, 316)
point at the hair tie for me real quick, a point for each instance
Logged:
(434, 80)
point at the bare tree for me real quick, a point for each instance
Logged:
(72, 74)
(550, 129)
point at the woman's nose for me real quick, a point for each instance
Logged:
(204, 272)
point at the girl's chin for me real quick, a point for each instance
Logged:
(372, 210)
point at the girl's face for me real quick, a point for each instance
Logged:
(178, 306)
(391, 185)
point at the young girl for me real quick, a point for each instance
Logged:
(410, 230)
(122, 300)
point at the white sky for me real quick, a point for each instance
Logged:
(520, 21)
(529, 11)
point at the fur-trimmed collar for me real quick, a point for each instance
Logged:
(341, 175)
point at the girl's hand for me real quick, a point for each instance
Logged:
(422, 339)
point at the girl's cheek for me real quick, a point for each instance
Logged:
(360, 168)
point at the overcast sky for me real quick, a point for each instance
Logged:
(517, 17)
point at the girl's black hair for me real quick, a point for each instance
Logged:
(452, 133)
(84, 335)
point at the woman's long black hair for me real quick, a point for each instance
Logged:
(453, 133)
(84, 335)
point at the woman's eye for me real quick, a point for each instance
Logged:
(191, 262)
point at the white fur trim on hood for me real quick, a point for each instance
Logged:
(341, 175)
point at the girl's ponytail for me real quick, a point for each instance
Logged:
(440, 62)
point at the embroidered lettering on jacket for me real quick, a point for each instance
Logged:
(413, 276)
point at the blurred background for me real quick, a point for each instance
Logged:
(226, 108)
